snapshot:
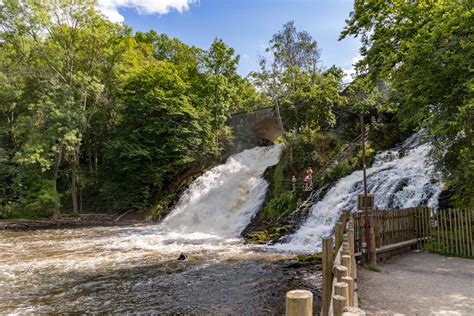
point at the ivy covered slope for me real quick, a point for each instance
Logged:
(95, 118)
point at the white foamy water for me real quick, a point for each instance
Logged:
(134, 269)
(223, 200)
(399, 178)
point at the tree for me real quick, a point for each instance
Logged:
(68, 52)
(424, 49)
(160, 135)
(220, 67)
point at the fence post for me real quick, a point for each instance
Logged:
(346, 261)
(340, 272)
(338, 303)
(339, 233)
(327, 274)
(350, 290)
(299, 303)
(371, 246)
(342, 289)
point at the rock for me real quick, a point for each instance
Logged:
(183, 257)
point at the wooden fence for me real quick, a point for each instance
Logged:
(340, 270)
(443, 231)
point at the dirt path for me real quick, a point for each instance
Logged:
(419, 284)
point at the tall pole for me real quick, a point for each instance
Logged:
(369, 232)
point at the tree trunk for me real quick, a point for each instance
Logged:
(74, 165)
(57, 207)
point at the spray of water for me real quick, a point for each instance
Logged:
(223, 200)
(399, 178)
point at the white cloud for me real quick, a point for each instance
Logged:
(350, 72)
(110, 7)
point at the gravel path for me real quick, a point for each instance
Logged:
(418, 283)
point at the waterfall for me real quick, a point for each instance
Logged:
(401, 177)
(223, 200)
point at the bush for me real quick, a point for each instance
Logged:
(38, 201)
(281, 205)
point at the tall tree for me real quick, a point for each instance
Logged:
(220, 67)
(161, 134)
(68, 51)
(425, 50)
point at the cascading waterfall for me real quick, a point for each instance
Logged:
(399, 178)
(223, 200)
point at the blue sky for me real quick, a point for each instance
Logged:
(246, 25)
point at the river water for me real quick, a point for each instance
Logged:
(134, 269)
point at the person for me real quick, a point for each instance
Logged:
(293, 183)
(306, 179)
(309, 173)
(310, 181)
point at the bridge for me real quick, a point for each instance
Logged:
(262, 124)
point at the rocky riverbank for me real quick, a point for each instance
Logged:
(69, 221)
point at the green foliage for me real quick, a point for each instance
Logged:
(316, 258)
(88, 106)
(281, 205)
(348, 166)
(37, 200)
(425, 51)
(264, 236)
(159, 136)
(310, 104)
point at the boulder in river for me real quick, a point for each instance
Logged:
(183, 257)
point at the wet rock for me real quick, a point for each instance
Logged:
(183, 257)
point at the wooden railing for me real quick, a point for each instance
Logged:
(340, 270)
(450, 232)
(443, 231)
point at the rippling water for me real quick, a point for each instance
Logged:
(134, 269)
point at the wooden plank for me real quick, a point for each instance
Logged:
(428, 225)
(423, 225)
(455, 232)
(446, 239)
(339, 230)
(470, 214)
(417, 227)
(451, 244)
(438, 232)
(464, 232)
(460, 235)
(398, 245)
(327, 274)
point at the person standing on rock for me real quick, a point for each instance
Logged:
(306, 180)
(310, 178)
(293, 183)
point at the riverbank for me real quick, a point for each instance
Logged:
(74, 221)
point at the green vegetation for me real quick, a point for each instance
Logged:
(424, 51)
(95, 117)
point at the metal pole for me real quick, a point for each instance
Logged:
(366, 209)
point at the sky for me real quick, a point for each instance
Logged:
(246, 25)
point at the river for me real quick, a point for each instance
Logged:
(135, 269)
